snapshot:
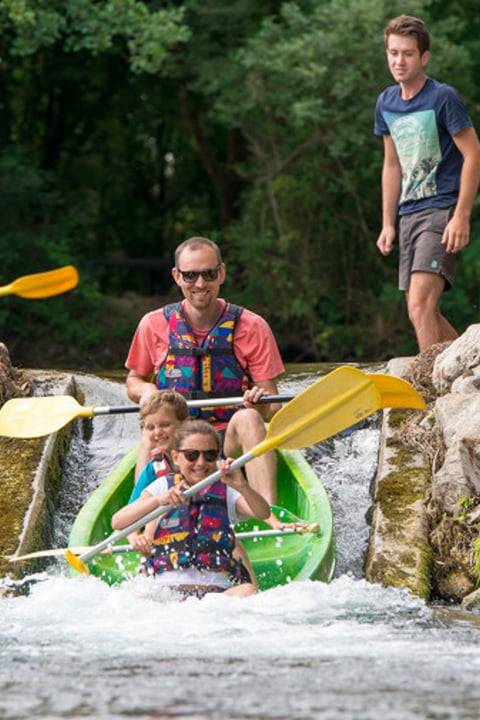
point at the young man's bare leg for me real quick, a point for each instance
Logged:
(423, 298)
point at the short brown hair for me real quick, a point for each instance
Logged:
(200, 427)
(164, 398)
(194, 243)
(409, 26)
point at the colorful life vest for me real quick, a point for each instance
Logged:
(195, 535)
(161, 464)
(194, 370)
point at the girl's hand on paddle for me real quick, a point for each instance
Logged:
(234, 479)
(175, 495)
(249, 502)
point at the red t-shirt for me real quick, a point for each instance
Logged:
(254, 344)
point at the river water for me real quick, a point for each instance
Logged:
(350, 650)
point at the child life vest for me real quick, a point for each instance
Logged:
(161, 464)
(194, 370)
(195, 535)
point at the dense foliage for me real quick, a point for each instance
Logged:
(128, 126)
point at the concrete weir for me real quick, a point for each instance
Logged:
(30, 476)
(399, 552)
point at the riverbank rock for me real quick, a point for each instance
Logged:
(460, 359)
(30, 472)
(454, 506)
(427, 493)
(13, 382)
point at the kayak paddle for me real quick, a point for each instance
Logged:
(335, 402)
(43, 285)
(113, 549)
(37, 416)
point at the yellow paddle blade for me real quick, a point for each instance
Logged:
(334, 403)
(38, 416)
(43, 285)
(397, 393)
(76, 563)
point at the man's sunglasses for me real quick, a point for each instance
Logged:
(192, 455)
(191, 276)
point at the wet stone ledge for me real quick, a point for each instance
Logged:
(399, 552)
(30, 478)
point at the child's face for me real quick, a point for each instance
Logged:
(160, 428)
(195, 470)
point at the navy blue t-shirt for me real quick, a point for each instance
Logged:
(422, 129)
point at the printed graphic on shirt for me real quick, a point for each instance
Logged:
(416, 140)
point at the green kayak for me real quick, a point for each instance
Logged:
(277, 560)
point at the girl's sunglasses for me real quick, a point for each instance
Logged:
(192, 455)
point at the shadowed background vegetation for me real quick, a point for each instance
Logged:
(128, 126)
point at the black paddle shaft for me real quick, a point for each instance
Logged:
(204, 402)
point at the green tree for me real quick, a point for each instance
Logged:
(251, 122)
(303, 92)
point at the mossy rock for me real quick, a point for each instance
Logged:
(30, 480)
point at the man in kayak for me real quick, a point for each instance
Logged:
(206, 347)
(430, 175)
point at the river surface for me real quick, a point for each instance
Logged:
(350, 650)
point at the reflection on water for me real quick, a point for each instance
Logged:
(349, 650)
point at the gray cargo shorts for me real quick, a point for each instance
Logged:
(420, 246)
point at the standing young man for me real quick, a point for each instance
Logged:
(430, 176)
(206, 347)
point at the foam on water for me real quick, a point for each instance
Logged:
(345, 650)
(291, 621)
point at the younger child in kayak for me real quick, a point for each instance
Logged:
(192, 549)
(161, 413)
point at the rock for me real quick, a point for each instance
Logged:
(425, 520)
(13, 382)
(455, 585)
(452, 541)
(458, 417)
(30, 476)
(472, 601)
(460, 356)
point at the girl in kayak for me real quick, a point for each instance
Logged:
(192, 547)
